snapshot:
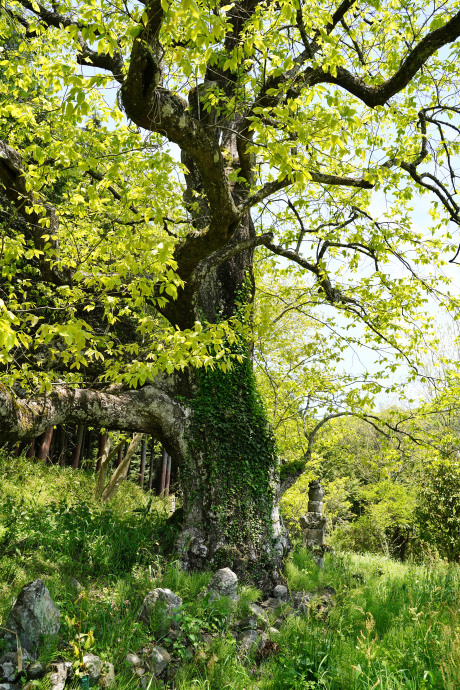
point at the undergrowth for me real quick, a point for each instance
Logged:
(394, 625)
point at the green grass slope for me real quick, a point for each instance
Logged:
(394, 625)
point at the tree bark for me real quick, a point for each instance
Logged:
(31, 449)
(45, 443)
(142, 464)
(164, 465)
(121, 471)
(151, 465)
(62, 446)
(101, 453)
(168, 476)
(78, 446)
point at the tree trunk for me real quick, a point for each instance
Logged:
(87, 454)
(78, 445)
(120, 455)
(103, 439)
(45, 443)
(122, 470)
(164, 465)
(228, 480)
(168, 476)
(31, 449)
(62, 446)
(142, 465)
(151, 466)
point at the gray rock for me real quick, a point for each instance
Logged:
(281, 592)
(223, 583)
(75, 585)
(159, 659)
(8, 686)
(257, 610)
(35, 670)
(273, 631)
(282, 545)
(58, 677)
(273, 603)
(171, 603)
(9, 667)
(34, 617)
(258, 613)
(249, 641)
(93, 666)
(107, 677)
(301, 601)
(133, 660)
(250, 622)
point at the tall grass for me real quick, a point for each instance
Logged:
(393, 625)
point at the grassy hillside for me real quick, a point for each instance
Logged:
(394, 626)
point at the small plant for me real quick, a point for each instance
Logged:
(189, 634)
(82, 642)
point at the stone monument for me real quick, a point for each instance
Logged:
(313, 523)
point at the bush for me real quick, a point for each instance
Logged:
(438, 507)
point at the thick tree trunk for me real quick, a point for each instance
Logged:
(228, 479)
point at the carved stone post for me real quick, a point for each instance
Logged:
(313, 523)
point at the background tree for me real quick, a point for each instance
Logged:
(124, 268)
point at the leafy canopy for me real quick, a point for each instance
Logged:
(332, 107)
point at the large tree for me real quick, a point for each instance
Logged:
(127, 274)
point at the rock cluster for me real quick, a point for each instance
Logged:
(34, 619)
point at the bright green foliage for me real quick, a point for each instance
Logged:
(386, 523)
(111, 187)
(113, 225)
(438, 507)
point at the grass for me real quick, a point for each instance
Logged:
(394, 625)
